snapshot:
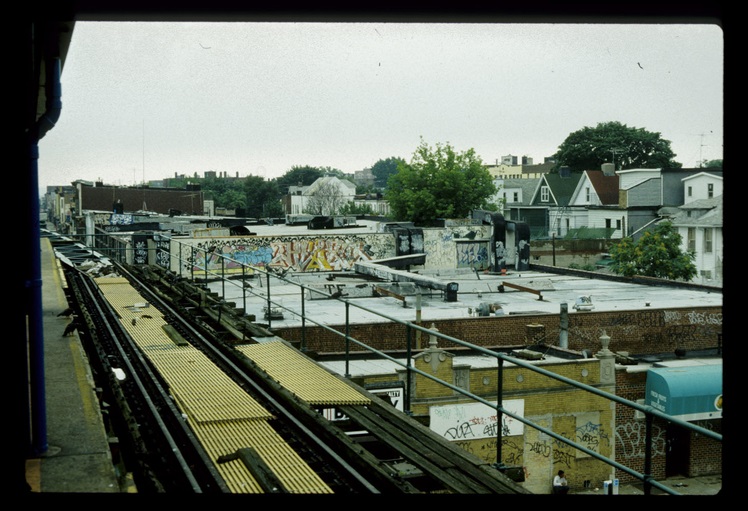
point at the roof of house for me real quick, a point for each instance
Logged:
(562, 187)
(713, 217)
(527, 185)
(606, 187)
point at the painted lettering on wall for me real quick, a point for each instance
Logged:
(476, 420)
(591, 434)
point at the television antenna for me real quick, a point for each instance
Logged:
(701, 147)
(616, 151)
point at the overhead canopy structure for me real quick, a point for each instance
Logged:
(688, 393)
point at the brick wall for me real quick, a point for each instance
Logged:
(580, 416)
(646, 331)
(705, 456)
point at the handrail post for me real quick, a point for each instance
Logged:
(193, 261)
(303, 321)
(223, 277)
(347, 340)
(648, 454)
(270, 312)
(408, 374)
(207, 254)
(499, 414)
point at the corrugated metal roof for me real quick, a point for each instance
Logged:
(302, 376)
(223, 416)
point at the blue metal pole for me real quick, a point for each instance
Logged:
(33, 285)
(32, 280)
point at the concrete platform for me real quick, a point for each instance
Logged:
(78, 458)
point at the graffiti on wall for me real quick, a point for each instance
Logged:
(303, 254)
(473, 255)
(631, 440)
(140, 248)
(661, 327)
(591, 434)
(560, 453)
(476, 420)
(163, 248)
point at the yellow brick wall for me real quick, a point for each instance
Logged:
(580, 416)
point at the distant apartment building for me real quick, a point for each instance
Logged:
(510, 167)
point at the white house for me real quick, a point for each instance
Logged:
(597, 194)
(704, 185)
(699, 222)
(338, 192)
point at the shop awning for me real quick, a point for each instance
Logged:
(688, 393)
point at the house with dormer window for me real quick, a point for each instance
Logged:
(550, 212)
(513, 194)
(597, 191)
(704, 185)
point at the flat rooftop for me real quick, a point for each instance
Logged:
(526, 292)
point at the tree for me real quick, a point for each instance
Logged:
(656, 254)
(299, 176)
(351, 208)
(439, 183)
(327, 199)
(613, 142)
(383, 169)
(261, 197)
(711, 164)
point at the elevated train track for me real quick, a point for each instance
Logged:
(205, 401)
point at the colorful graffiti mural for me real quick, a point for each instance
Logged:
(295, 253)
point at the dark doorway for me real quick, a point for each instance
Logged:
(678, 450)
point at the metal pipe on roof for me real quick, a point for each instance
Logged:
(385, 272)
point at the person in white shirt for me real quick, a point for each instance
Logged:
(560, 485)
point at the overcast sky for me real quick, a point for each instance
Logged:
(148, 100)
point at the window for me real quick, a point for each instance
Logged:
(692, 239)
(710, 190)
(618, 225)
(545, 194)
(707, 241)
(516, 197)
(587, 192)
(690, 191)
(607, 223)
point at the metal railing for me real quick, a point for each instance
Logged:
(117, 251)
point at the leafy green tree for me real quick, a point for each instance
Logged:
(233, 199)
(439, 183)
(657, 253)
(261, 197)
(383, 169)
(613, 142)
(712, 164)
(351, 208)
(299, 176)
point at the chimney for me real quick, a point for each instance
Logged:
(608, 169)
